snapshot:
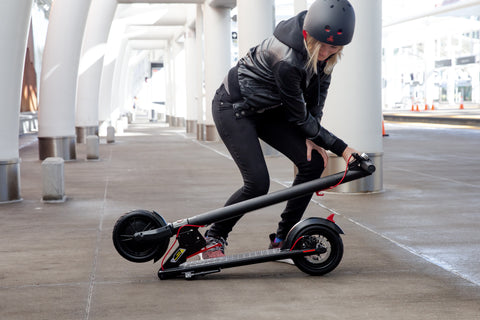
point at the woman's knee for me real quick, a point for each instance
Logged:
(257, 188)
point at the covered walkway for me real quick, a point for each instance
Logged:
(411, 251)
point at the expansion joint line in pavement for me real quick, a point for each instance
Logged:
(97, 249)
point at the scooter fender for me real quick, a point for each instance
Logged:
(292, 235)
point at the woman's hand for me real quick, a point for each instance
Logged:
(312, 146)
(347, 153)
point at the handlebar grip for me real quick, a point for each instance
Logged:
(368, 166)
(365, 163)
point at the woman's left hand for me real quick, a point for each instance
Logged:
(312, 146)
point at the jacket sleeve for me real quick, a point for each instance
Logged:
(289, 82)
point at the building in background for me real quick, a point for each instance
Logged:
(431, 54)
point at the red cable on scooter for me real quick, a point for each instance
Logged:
(318, 193)
(173, 244)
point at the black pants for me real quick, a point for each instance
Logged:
(241, 137)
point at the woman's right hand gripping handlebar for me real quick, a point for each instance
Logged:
(347, 154)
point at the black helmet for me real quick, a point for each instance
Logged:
(330, 21)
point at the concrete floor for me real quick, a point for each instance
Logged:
(411, 252)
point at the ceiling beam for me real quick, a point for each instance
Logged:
(161, 1)
(438, 11)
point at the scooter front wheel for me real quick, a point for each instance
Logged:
(318, 264)
(138, 250)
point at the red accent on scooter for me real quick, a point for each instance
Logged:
(321, 194)
(295, 243)
(330, 218)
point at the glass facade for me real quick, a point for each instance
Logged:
(434, 59)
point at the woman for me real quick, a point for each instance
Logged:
(276, 93)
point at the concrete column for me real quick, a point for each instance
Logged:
(118, 84)
(114, 48)
(256, 21)
(97, 27)
(217, 58)
(169, 84)
(353, 107)
(299, 6)
(56, 116)
(179, 80)
(131, 71)
(191, 80)
(14, 24)
(199, 76)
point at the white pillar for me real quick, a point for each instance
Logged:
(217, 58)
(299, 6)
(14, 24)
(180, 91)
(256, 21)
(118, 83)
(98, 24)
(199, 72)
(56, 116)
(114, 48)
(169, 84)
(191, 80)
(353, 107)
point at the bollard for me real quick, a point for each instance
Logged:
(93, 149)
(53, 180)
(110, 134)
(10, 181)
(124, 122)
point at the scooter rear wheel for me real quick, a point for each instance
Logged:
(319, 264)
(135, 250)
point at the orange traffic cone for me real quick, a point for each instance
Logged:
(433, 107)
(461, 106)
(416, 109)
(384, 134)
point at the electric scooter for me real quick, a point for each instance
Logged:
(314, 244)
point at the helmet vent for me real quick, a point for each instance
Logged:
(331, 7)
(327, 28)
(340, 31)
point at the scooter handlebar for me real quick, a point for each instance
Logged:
(363, 161)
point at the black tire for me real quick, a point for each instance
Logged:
(319, 264)
(134, 250)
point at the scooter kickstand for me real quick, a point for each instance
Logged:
(190, 275)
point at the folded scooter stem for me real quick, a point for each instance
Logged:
(276, 197)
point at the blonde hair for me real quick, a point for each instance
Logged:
(313, 48)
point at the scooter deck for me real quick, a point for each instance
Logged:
(202, 267)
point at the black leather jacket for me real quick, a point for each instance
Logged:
(273, 74)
